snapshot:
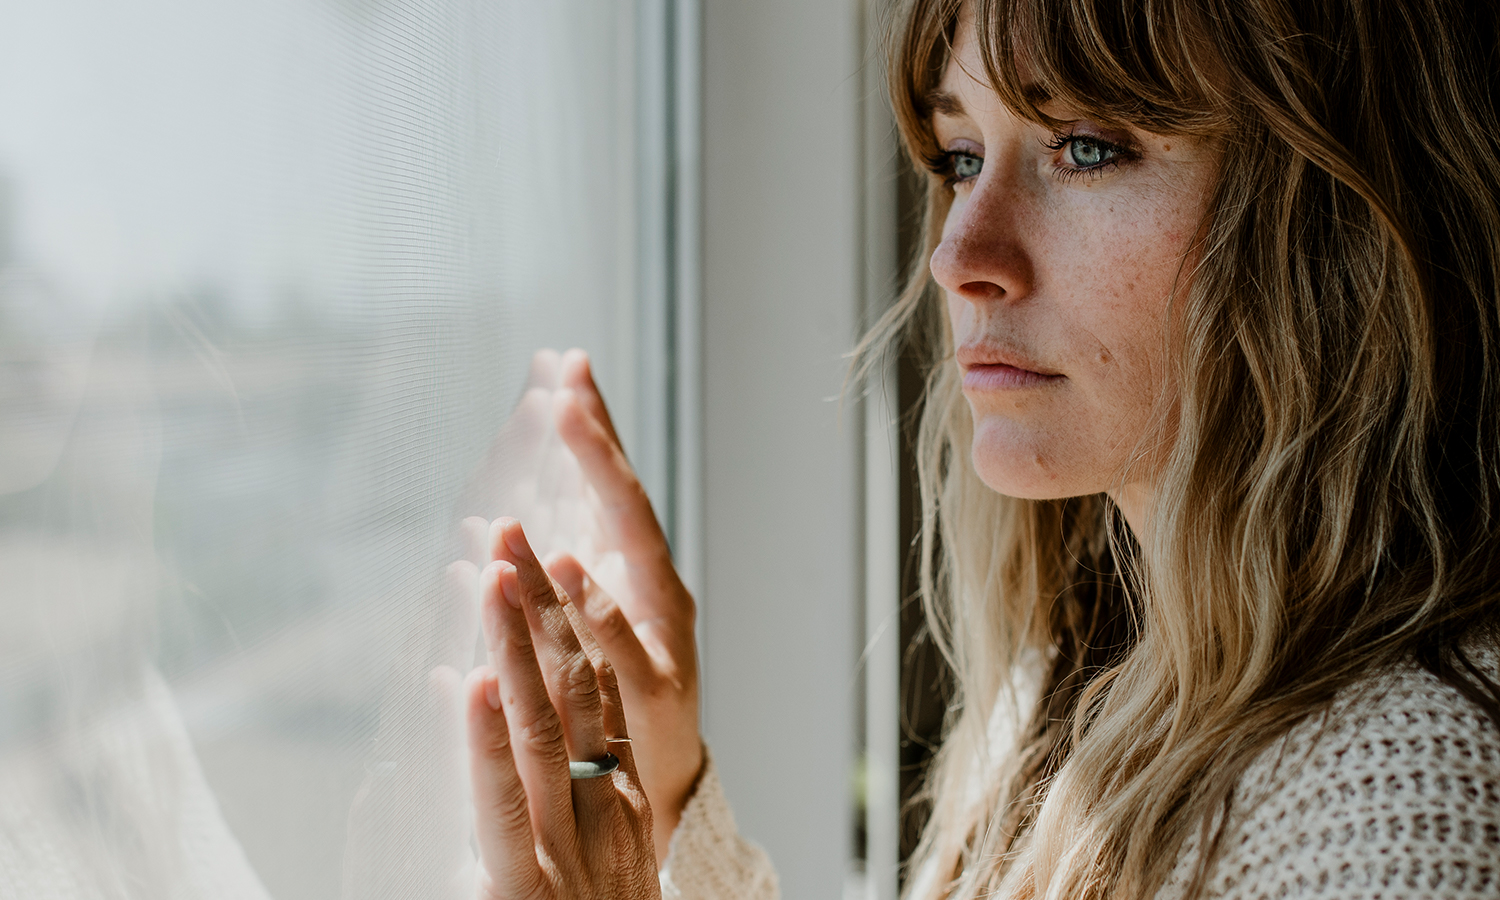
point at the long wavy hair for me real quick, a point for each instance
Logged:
(1329, 504)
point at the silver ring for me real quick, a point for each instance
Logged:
(601, 766)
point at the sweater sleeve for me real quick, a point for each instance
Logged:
(707, 858)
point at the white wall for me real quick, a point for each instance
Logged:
(782, 244)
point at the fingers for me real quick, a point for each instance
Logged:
(585, 425)
(536, 730)
(502, 821)
(568, 670)
(567, 573)
(552, 696)
(570, 575)
(573, 580)
(608, 628)
(604, 465)
(546, 369)
(611, 857)
(576, 373)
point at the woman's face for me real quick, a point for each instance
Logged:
(1058, 258)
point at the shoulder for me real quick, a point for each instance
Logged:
(1393, 792)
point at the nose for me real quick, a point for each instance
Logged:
(983, 254)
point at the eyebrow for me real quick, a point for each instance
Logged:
(944, 103)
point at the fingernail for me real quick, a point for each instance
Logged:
(510, 586)
(515, 539)
(492, 691)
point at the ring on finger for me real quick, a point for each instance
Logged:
(593, 768)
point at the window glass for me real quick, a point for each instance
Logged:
(270, 277)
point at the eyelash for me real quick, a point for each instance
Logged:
(1061, 140)
(942, 164)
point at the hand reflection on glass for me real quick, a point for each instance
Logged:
(609, 557)
(530, 474)
(557, 466)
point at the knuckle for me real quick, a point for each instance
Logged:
(543, 732)
(597, 656)
(612, 624)
(509, 810)
(537, 586)
(578, 679)
(497, 742)
(604, 672)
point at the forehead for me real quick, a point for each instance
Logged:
(1054, 65)
(965, 68)
(965, 88)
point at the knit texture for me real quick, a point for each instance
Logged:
(1393, 793)
(707, 858)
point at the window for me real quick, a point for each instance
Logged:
(270, 276)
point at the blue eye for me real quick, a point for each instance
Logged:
(1086, 153)
(965, 165)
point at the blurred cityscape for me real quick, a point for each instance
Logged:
(270, 278)
(275, 499)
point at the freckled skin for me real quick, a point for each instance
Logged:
(1073, 273)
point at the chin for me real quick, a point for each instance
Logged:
(1019, 465)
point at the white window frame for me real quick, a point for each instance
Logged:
(795, 495)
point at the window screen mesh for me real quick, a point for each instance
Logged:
(270, 278)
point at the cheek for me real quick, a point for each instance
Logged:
(1121, 331)
(1109, 331)
(1120, 310)
(1123, 372)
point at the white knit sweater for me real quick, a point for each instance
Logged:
(1393, 793)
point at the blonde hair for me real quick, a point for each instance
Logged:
(1329, 503)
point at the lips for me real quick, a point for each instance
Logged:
(990, 368)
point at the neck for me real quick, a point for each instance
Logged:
(1134, 501)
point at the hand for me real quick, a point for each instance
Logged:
(529, 474)
(543, 700)
(632, 599)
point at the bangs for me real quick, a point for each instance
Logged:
(1148, 64)
(1141, 63)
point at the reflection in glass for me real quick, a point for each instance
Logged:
(270, 276)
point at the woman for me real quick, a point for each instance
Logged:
(1210, 470)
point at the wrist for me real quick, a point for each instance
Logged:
(667, 814)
